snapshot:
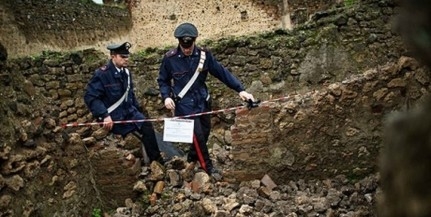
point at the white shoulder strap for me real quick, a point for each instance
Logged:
(195, 76)
(124, 97)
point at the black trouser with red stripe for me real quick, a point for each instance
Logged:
(199, 150)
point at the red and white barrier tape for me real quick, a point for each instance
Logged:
(76, 124)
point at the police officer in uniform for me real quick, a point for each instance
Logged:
(110, 97)
(177, 69)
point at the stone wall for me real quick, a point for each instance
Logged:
(273, 64)
(30, 27)
(41, 93)
(333, 130)
(300, 11)
(69, 25)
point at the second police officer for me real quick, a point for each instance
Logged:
(181, 80)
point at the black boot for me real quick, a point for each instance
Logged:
(215, 173)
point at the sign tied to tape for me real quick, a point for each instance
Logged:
(178, 130)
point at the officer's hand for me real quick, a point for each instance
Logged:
(169, 103)
(246, 96)
(108, 123)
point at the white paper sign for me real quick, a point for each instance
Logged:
(178, 130)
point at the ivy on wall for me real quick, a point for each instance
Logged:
(348, 3)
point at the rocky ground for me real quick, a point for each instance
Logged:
(179, 189)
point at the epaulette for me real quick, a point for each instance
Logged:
(172, 52)
(103, 68)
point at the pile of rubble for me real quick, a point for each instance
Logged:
(181, 189)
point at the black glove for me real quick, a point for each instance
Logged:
(251, 104)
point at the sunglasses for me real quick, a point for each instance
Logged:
(186, 42)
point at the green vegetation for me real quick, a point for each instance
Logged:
(52, 54)
(96, 213)
(349, 3)
(144, 200)
(144, 53)
(165, 196)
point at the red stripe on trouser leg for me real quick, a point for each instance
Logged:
(199, 153)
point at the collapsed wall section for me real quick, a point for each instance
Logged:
(333, 130)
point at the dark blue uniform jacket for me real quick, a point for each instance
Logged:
(179, 68)
(104, 89)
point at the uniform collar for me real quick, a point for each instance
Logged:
(181, 54)
(114, 69)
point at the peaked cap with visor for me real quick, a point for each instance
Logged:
(120, 48)
(186, 30)
(186, 34)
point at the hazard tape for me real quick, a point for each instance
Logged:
(76, 124)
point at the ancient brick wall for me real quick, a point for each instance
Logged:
(329, 131)
(30, 27)
(73, 25)
(272, 65)
(300, 11)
